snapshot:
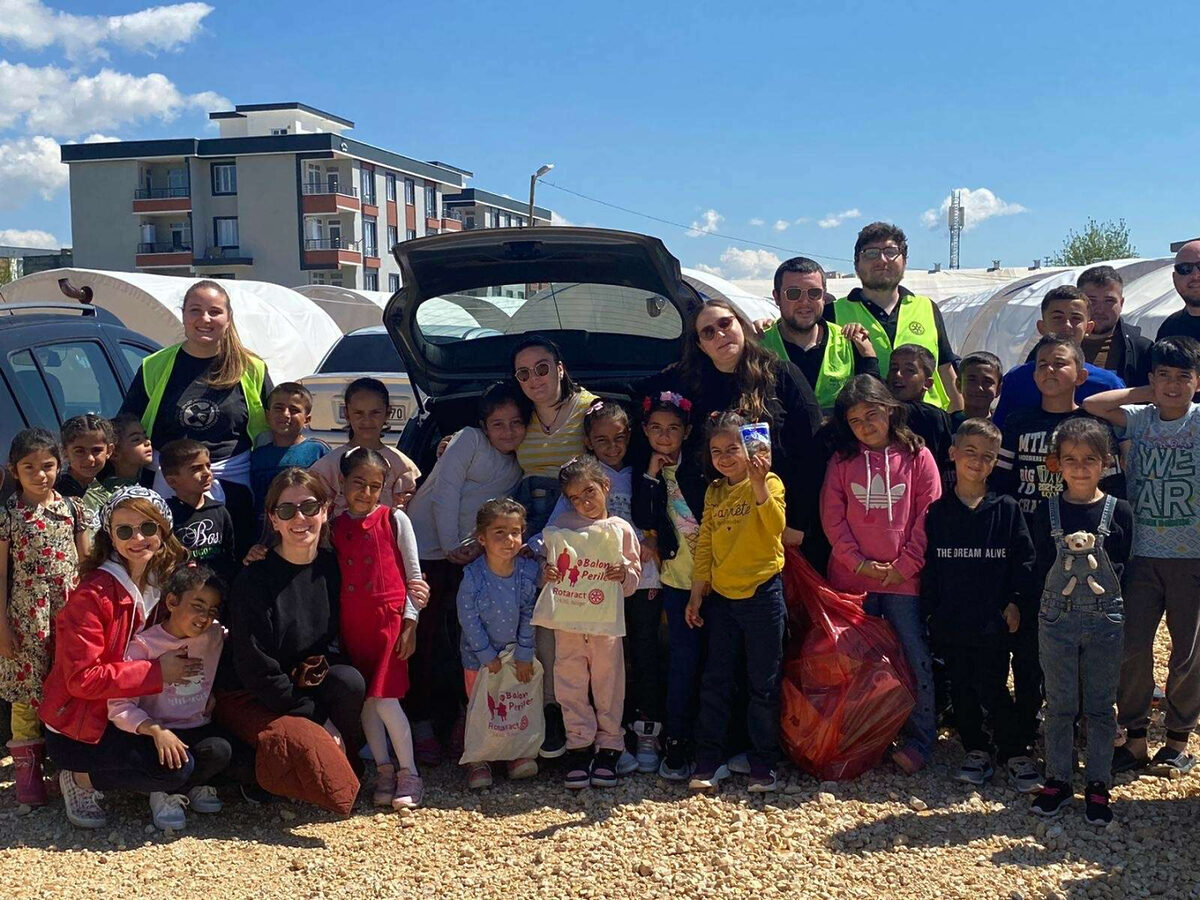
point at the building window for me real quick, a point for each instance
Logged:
(430, 200)
(225, 232)
(278, 131)
(518, 221)
(335, 233)
(410, 192)
(393, 282)
(370, 281)
(224, 179)
(410, 234)
(370, 236)
(367, 186)
(490, 218)
(469, 221)
(393, 236)
(503, 220)
(390, 178)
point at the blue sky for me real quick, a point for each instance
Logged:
(721, 115)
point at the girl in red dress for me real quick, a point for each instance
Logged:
(382, 595)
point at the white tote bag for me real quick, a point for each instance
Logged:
(582, 600)
(504, 717)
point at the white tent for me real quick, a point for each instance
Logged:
(350, 309)
(286, 329)
(753, 306)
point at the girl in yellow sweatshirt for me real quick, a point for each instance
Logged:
(736, 578)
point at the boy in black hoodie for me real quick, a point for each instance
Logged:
(977, 585)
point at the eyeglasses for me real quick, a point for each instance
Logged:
(873, 253)
(708, 332)
(1186, 269)
(307, 508)
(794, 293)
(125, 532)
(541, 370)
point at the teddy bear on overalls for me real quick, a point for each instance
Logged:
(1080, 545)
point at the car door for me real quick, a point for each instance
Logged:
(66, 377)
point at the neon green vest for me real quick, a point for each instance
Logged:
(915, 325)
(156, 372)
(837, 365)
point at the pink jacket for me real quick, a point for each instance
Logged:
(178, 705)
(873, 507)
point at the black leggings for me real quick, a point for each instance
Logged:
(340, 696)
(120, 761)
(220, 757)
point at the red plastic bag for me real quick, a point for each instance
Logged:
(847, 688)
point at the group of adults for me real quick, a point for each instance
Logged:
(211, 389)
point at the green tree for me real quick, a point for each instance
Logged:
(1097, 242)
(6, 270)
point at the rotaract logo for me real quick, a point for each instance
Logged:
(916, 327)
(596, 597)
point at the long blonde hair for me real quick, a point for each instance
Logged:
(166, 559)
(233, 359)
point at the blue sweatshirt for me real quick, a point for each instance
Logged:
(495, 612)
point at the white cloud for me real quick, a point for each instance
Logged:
(556, 219)
(803, 220)
(756, 222)
(50, 100)
(30, 166)
(738, 263)
(710, 220)
(32, 25)
(833, 220)
(15, 237)
(979, 205)
(781, 224)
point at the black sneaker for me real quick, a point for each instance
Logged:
(604, 768)
(1051, 798)
(554, 744)
(1126, 761)
(1171, 763)
(579, 769)
(1097, 810)
(677, 762)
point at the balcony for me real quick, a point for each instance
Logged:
(321, 198)
(331, 252)
(169, 253)
(162, 200)
(224, 256)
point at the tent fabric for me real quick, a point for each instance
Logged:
(289, 331)
(350, 309)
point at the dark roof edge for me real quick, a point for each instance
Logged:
(478, 195)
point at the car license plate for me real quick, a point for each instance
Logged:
(397, 413)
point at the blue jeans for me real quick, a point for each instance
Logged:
(903, 613)
(1081, 655)
(685, 648)
(746, 633)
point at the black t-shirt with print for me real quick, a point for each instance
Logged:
(207, 533)
(191, 408)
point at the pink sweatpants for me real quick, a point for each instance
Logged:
(596, 661)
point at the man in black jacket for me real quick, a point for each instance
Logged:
(1113, 344)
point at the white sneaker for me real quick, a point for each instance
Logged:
(83, 805)
(705, 781)
(627, 763)
(166, 811)
(648, 749)
(204, 799)
(1024, 774)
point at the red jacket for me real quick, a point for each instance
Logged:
(90, 636)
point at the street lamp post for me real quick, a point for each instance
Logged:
(533, 184)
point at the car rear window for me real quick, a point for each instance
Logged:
(363, 353)
(517, 309)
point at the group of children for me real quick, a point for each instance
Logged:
(985, 548)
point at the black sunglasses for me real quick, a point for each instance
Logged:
(125, 532)
(708, 332)
(1186, 269)
(795, 293)
(541, 370)
(308, 508)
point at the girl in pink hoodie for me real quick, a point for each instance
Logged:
(877, 490)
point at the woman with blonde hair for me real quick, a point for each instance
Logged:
(211, 389)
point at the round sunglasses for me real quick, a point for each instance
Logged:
(708, 332)
(126, 532)
(813, 293)
(541, 370)
(308, 508)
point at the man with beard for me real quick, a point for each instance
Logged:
(893, 315)
(827, 358)
(1185, 322)
(1113, 343)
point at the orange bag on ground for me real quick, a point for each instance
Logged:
(847, 689)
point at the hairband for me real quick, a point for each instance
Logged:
(671, 398)
(134, 492)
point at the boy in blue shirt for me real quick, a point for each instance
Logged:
(289, 410)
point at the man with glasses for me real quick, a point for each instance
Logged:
(827, 358)
(891, 314)
(1185, 322)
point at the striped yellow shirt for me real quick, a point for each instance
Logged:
(544, 454)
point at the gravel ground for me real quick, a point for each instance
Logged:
(884, 835)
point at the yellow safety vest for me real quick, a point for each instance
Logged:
(837, 363)
(156, 372)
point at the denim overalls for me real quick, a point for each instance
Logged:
(1081, 636)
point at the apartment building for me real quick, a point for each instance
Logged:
(477, 208)
(282, 195)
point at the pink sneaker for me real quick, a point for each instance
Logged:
(522, 768)
(385, 786)
(409, 790)
(479, 776)
(909, 759)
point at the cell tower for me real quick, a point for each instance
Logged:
(956, 219)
